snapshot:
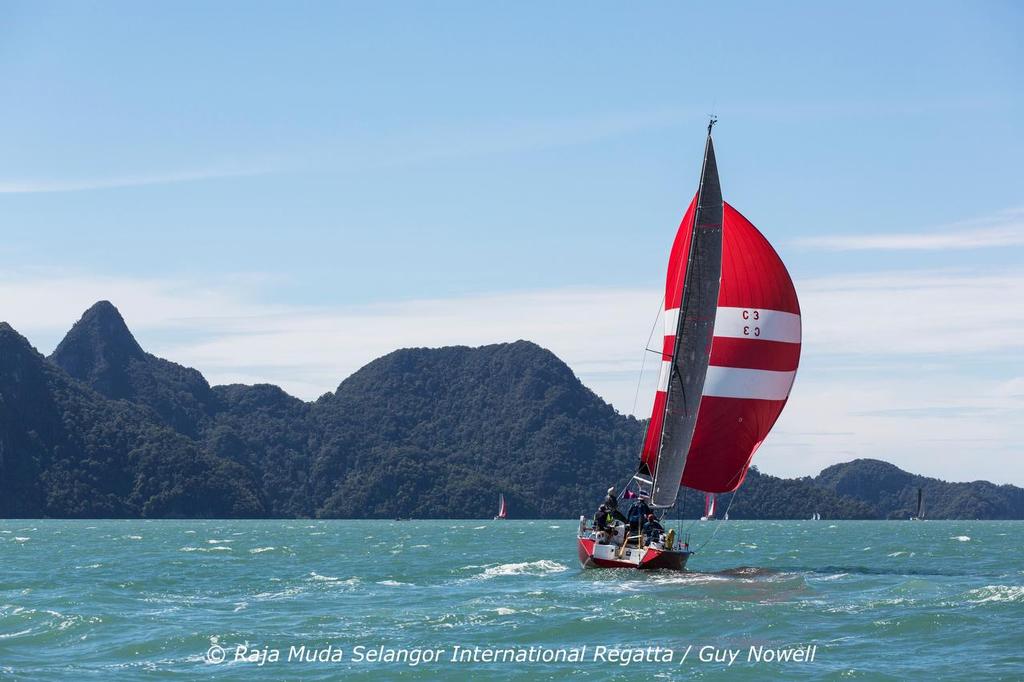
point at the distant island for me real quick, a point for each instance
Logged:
(103, 429)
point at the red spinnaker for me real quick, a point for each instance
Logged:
(754, 355)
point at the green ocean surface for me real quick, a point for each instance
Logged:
(111, 600)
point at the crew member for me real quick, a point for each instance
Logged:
(612, 502)
(638, 513)
(653, 529)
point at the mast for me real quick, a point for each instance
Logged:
(695, 326)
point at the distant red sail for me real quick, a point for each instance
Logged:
(755, 352)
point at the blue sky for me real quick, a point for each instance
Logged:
(280, 194)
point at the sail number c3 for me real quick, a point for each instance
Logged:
(748, 330)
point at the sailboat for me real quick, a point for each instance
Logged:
(709, 507)
(919, 516)
(729, 357)
(815, 516)
(502, 508)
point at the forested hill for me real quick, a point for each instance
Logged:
(102, 428)
(893, 492)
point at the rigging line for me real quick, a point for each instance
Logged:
(680, 506)
(643, 362)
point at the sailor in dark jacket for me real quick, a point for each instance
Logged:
(653, 529)
(638, 514)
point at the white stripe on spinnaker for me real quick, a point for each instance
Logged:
(757, 324)
(760, 384)
(671, 321)
(666, 373)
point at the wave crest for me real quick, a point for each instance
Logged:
(542, 567)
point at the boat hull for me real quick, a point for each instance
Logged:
(594, 555)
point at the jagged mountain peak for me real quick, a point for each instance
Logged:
(101, 351)
(100, 342)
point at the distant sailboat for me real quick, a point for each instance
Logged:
(726, 517)
(919, 516)
(815, 516)
(502, 508)
(709, 507)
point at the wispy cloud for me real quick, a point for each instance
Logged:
(38, 186)
(886, 314)
(1002, 229)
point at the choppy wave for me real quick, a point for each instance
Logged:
(961, 538)
(997, 593)
(542, 567)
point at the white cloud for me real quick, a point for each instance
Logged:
(886, 368)
(1002, 229)
(935, 311)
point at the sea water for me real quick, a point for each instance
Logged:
(301, 599)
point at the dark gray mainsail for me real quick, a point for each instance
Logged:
(695, 329)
